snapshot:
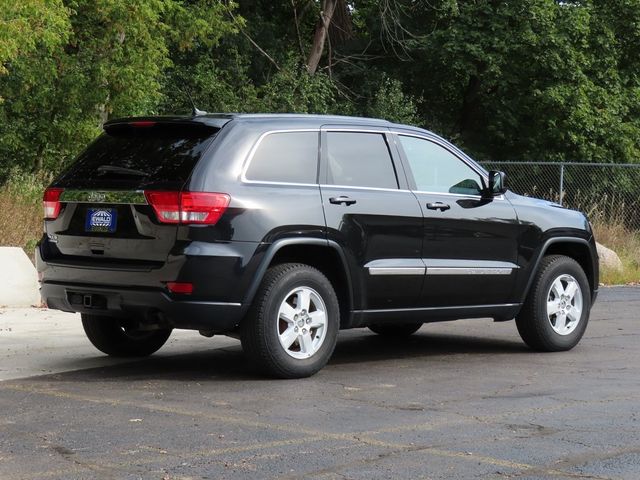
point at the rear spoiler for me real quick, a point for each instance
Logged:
(209, 122)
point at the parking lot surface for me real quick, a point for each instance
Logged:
(460, 399)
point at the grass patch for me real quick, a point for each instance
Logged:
(626, 243)
(21, 211)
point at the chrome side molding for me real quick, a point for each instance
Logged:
(396, 270)
(429, 266)
(469, 271)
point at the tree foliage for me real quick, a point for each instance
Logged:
(527, 80)
(29, 24)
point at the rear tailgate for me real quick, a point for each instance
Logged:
(104, 216)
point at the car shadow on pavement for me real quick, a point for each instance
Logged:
(371, 347)
(229, 364)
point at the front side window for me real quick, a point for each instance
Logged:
(359, 160)
(436, 169)
(289, 157)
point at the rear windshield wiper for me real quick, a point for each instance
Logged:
(122, 170)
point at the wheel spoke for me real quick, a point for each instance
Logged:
(306, 343)
(287, 312)
(304, 299)
(557, 288)
(553, 307)
(561, 321)
(288, 337)
(571, 289)
(318, 319)
(574, 314)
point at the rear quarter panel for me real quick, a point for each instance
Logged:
(259, 213)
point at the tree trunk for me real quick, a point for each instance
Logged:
(320, 35)
(469, 100)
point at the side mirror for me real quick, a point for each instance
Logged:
(496, 183)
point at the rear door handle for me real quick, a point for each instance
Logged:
(438, 206)
(342, 200)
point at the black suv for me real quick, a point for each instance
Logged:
(283, 229)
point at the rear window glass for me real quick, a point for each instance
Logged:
(162, 157)
(290, 157)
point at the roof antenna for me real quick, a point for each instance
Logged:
(194, 111)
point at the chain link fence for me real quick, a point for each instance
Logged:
(606, 192)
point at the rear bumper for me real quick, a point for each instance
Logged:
(144, 305)
(220, 273)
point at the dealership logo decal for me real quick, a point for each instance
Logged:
(101, 219)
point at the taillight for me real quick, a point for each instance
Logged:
(166, 205)
(51, 203)
(204, 208)
(201, 207)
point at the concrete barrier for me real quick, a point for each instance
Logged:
(18, 279)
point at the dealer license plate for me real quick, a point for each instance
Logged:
(101, 220)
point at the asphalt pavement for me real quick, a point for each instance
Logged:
(455, 400)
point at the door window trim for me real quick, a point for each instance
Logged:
(247, 162)
(380, 189)
(409, 173)
(396, 159)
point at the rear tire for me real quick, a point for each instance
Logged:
(292, 326)
(555, 314)
(395, 330)
(109, 336)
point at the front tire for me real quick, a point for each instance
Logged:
(113, 337)
(292, 327)
(555, 314)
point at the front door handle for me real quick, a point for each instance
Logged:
(342, 200)
(438, 206)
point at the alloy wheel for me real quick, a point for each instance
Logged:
(302, 322)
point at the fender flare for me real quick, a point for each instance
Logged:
(276, 246)
(542, 253)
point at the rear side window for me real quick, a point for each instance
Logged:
(290, 157)
(359, 160)
(162, 156)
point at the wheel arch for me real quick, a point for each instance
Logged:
(578, 249)
(325, 255)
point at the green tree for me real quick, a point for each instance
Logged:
(27, 25)
(531, 80)
(109, 62)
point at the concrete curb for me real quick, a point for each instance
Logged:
(18, 279)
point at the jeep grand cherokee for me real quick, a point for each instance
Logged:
(283, 229)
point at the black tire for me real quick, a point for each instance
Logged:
(261, 329)
(109, 336)
(534, 325)
(392, 330)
